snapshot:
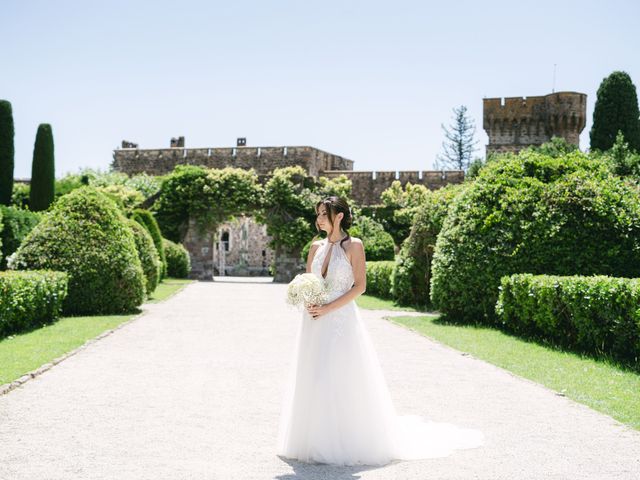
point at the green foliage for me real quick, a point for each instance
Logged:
(148, 221)
(474, 169)
(378, 244)
(616, 109)
(7, 152)
(148, 255)
(556, 147)
(401, 205)
(339, 186)
(208, 196)
(85, 235)
(178, 259)
(143, 183)
(41, 194)
(288, 208)
(20, 196)
(125, 197)
(15, 224)
(533, 214)
(379, 278)
(30, 299)
(624, 161)
(598, 315)
(412, 273)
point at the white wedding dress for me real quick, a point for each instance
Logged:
(337, 408)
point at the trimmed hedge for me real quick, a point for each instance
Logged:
(15, 224)
(378, 244)
(379, 278)
(148, 221)
(85, 235)
(30, 299)
(598, 315)
(178, 259)
(147, 254)
(531, 213)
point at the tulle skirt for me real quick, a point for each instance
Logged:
(337, 408)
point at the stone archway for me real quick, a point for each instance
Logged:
(246, 252)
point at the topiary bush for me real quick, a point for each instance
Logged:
(30, 299)
(379, 278)
(532, 213)
(147, 220)
(147, 254)
(597, 315)
(15, 224)
(85, 235)
(178, 259)
(412, 272)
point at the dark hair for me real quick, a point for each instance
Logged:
(335, 205)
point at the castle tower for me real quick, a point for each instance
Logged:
(514, 123)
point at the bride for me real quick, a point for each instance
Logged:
(337, 408)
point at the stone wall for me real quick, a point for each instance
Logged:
(514, 123)
(367, 186)
(262, 159)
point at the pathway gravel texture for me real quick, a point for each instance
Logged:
(193, 388)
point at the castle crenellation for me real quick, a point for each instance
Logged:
(367, 185)
(514, 123)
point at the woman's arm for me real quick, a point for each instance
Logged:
(311, 254)
(358, 263)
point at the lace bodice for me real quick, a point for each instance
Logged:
(339, 272)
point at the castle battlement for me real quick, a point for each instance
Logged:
(367, 185)
(514, 123)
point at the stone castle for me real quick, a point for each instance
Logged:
(514, 123)
(240, 246)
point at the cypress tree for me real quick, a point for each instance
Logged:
(616, 109)
(42, 170)
(6, 152)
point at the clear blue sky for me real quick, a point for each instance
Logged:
(371, 81)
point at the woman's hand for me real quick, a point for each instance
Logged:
(318, 310)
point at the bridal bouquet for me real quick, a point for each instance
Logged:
(307, 289)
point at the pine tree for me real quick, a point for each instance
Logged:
(459, 145)
(42, 190)
(616, 109)
(6, 152)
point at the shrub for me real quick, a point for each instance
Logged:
(533, 214)
(7, 152)
(178, 260)
(42, 191)
(412, 272)
(86, 236)
(148, 221)
(30, 299)
(379, 278)
(378, 244)
(147, 254)
(597, 315)
(20, 196)
(15, 224)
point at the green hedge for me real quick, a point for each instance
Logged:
(412, 273)
(379, 278)
(16, 223)
(598, 314)
(30, 299)
(147, 254)
(85, 235)
(178, 259)
(378, 244)
(532, 213)
(147, 220)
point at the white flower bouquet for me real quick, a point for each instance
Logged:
(307, 289)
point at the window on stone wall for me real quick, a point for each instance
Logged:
(225, 241)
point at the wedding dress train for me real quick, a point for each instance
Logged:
(337, 408)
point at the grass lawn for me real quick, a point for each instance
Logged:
(28, 351)
(598, 384)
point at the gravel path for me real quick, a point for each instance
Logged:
(192, 389)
